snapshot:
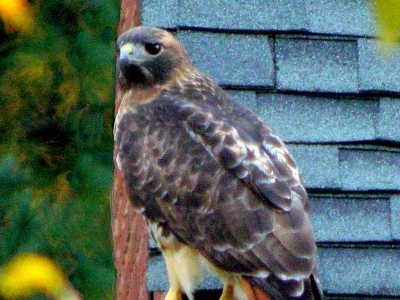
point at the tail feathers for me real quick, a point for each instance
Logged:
(261, 289)
(316, 288)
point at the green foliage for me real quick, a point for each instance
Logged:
(387, 17)
(56, 95)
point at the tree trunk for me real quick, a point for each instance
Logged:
(128, 227)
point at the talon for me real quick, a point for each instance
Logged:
(228, 292)
(174, 295)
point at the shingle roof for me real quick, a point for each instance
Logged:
(340, 17)
(242, 59)
(253, 15)
(395, 216)
(311, 69)
(310, 64)
(351, 218)
(364, 170)
(160, 13)
(389, 119)
(377, 71)
(338, 120)
(360, 271)
(319, 165)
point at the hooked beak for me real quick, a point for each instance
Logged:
(126, 53)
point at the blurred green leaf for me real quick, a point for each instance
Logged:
(388, 22)
(56, 91)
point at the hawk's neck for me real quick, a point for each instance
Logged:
(196, 86)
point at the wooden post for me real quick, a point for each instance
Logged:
(159, 295)
(128, 227)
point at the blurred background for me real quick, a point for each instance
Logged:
(56, 118)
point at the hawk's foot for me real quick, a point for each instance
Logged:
(174, 295)
(228, 292)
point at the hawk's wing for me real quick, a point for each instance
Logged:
(224, 184)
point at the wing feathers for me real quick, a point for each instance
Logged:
(281, 240)
(246, 159)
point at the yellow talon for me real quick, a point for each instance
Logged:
(228, 292)
(174, 295)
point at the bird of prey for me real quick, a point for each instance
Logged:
(217, 187)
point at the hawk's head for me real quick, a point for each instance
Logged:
(147, 57)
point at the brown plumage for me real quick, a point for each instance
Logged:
(217, 187)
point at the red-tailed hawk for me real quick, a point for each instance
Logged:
(217, 187)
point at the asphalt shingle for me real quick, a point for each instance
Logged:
(395, 215)
(316, 65)
(350, 219)
(341, 17)
(318, 165)
(160, 13)
(231, 59)
(315, 119)
(244, 15)
(389, 119)
(245, 98)
(369, 170)
(360, 271)
(377, 71)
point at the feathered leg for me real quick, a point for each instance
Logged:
(183, 263)
(184, 271)
(175, 289)
(228, 292)
(173, 295)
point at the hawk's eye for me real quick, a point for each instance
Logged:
(152, 48)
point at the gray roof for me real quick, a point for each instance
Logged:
(360, 271)
(377, 71)
(395, 216)
(311, 64)
(314, 72)
(364, 170)
(242, 59)
(339, 17)
(389, 119)
(338, 119)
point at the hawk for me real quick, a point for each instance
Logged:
(217, 187)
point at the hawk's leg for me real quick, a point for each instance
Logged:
(183, 263)
(228, 292)
(232, 283)
(174, 295)
(175, 289)
(184, 271)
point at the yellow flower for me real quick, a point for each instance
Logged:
(16, 15)
(27, 274)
